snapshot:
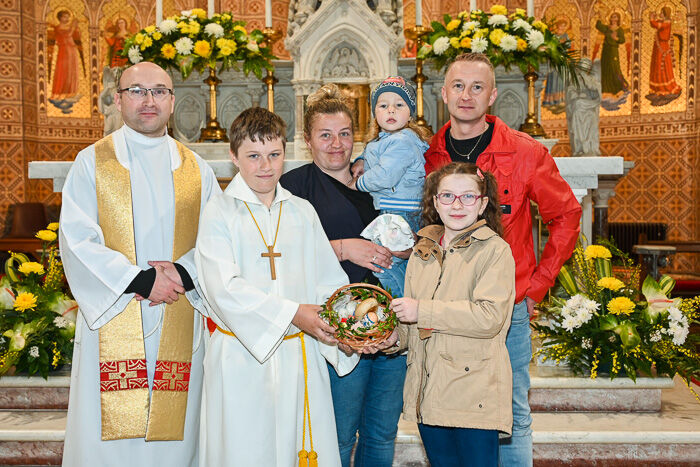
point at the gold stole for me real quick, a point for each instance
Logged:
(123, 376)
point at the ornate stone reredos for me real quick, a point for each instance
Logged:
(348, 32)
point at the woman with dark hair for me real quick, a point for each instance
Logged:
(368, 399)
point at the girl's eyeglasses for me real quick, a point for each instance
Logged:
(467, 199)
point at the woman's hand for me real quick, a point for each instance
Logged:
(357, 168)
(406, 309)
(366, 254)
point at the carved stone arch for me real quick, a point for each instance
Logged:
(344, 61)
(284, 107)
(189, 116)
(231, 107)
(510, 107)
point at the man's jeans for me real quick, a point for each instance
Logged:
(516, 451)
(369, 400)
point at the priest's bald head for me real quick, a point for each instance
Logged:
(145, 98)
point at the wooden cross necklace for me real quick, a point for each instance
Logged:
(271, 255)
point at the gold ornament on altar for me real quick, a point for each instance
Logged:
(271, 36)
(418, 34)
(507, 39)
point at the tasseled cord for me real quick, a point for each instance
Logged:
(306, 458)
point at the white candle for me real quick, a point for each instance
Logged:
(419, 13)
(210, 8)
(472, 5)
(159, 11)
(531, 7)
(268, 13)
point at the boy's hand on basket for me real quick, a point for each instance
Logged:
(389, 342)
(406, 309)
(307, 320)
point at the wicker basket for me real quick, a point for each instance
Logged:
(374, 335)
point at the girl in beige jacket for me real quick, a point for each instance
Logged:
(460, 288)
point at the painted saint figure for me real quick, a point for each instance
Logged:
(662, 83)
(116, 43)
(614, 85)
(66, 36)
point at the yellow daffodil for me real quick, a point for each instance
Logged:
(30, 267)
(168, 51)
(496, 36)
(522, 45)
(53, 226)
(597, 251)
(499, 10)
(46, 235)
(452, 25)
(25, 301)
(620, 306)
(610, 283)
(202, 48)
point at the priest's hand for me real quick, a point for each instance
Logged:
(169, 269)
(307, 320)
(164, 289)
(366, 254)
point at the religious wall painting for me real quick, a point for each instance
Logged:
(563, 17)
(664, 57)
(67, 59)
(612, 46)
(117, 22)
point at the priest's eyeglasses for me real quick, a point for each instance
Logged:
(137, 92)
(467, 199)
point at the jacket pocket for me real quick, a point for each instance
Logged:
(464, 382)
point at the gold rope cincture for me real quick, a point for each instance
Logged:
(271, 255)
(306, 458)
(126, 411)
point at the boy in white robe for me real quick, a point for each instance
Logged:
(264, 262)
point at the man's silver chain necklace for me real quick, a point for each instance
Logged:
(452, 144)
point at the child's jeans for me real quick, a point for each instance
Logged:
(393, 279)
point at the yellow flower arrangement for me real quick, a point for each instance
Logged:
(499, 10)
(496, 36)
(138, 38)
(53, 226)
(199, 13)
(522, 44)
(454, 41)
(168, 51)
(202, 48)
(610, 283)
(46, 235)
(226, 46)
(465, 43)
(621, 306)
(597, 251)
(241, 29)
(157, 36)
(540, 25)
(147, 42)
(150, 29)
(452, 25)
(31, 267)
(24, 301)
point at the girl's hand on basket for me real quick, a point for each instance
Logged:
(406, 309)
(389, 342)
(307, 319)
(346, 349)
(366, 254)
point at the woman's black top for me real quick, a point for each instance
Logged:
(344, 213)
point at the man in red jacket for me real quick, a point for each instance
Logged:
(525, 172)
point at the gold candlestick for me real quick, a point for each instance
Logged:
(417, 33)
(531, 126)
(271, 36)
(212, 132)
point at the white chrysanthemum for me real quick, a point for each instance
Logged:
(576, 301)
(135, 54)
(569, 323)
(520, 23)
(2, 340)
(441, 45)
(584, 315)
(655, 336)
(60, 322)
(469, 25)
(590, 305)
(498, 20)
(508, 43)
(187, 13)
(534, 38)
(479, 45)
(184, 45)
(586, 343)
(675, 314)
(34, 351)
(611, 338)
(679, 332)
(167, 26)
(214, 29)
(252, 46)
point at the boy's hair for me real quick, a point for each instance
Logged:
(256, 123)
(423, 133)
(474, 58)
(327, 100)
(487, 186)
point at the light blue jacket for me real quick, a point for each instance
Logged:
(394, 170)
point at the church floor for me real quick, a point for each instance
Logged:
(670, 437)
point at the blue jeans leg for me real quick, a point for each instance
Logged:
(393, 279)
(369, 400)
(459, 447)
(516, 451)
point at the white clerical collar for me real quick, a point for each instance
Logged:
(239, 189)
(120, 147)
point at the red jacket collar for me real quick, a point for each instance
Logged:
(501, 141)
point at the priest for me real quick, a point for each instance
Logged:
(131, 205)
(264, 262)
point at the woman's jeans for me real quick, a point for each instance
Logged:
(369, 400)
(459, 447)
(393, 279)
(516, 451)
